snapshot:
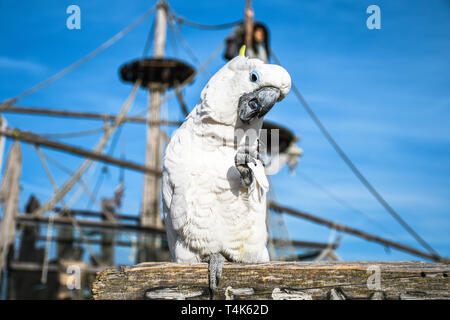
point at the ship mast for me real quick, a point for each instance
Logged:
(150, 211)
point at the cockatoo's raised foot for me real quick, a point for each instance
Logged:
(244, 156)
(215, 265)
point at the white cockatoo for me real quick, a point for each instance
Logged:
(213, 184)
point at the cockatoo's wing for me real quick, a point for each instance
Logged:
(167, 192)
(174, 204)
(186, 198)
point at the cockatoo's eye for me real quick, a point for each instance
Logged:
(254, 77)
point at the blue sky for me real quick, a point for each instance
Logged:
(383, 95)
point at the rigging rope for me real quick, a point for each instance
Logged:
(97, 185)
(176, 31)
(47, 249)
(91, 195)
(47, 169)
(66, 206)
(72, 134)
(77, 227)
(344, 203)
(193, 24)
(188, 80)
(8, 103)
(44, 157)
(114, 141)
(286, 249)
(355, 171)
(172, 37)
(148, 42)
(98, 148)
(79, 191)
(104, 169)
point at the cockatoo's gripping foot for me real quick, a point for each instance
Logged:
(215, 265)
(241, 160)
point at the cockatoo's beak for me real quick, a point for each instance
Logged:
(257, 103)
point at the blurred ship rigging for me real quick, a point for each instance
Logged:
(51, 250)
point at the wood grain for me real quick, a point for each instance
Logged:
(278, 280)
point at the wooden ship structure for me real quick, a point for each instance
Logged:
(49, 250)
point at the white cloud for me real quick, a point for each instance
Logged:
(21, 64)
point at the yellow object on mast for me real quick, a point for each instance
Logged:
(242, 50)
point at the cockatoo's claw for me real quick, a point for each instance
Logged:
(246, 175)
(241, 160)
(215, 265)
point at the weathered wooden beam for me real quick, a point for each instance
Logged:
(23, 219)
(314, 245)
(278, 280)
(84, 115)
(353, 231)
(90, 213)
(119, 243)
(302, 243)
(37, 267)
(9, 194)
(35, 139)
